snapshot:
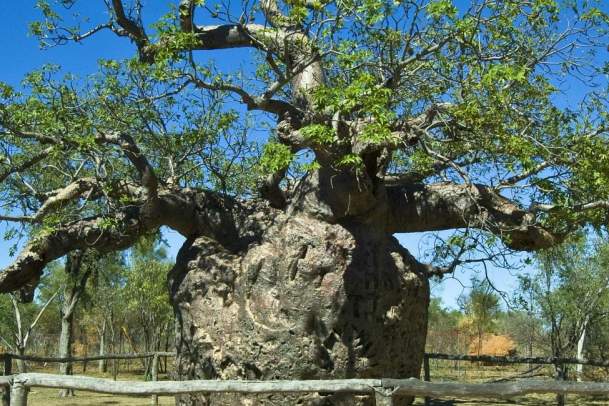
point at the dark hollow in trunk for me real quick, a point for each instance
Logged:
(310, 300)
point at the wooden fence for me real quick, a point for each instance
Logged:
(9, 357)
(383, 389)
(517, 360)
(490, 359)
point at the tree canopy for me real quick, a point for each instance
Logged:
(448, 115)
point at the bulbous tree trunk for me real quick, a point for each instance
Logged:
(311, 299)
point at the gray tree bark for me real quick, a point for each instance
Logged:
(21, 365)
(65, 349)
(75, 285)
(312, 301)
(579, 368)
(103, 364)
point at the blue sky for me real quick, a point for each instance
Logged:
(22, 54)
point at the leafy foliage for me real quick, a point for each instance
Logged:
(467, 93)
(569, 292)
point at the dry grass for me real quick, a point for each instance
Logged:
(532, 400)
(462, 371)
(49, 397)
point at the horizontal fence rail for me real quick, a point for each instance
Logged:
(385, 387)
(517, 360)
(382, 389)
(451, 357)
(7, 399)
(37, 358)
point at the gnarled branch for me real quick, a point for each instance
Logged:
(132, 29)
(138, 159)
(445, 206)
(63, 196)
(190, 212)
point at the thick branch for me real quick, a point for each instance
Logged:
(186, 10)
(293, 47)
(138, 159)
(189, 212)
(64, 196)
(445, 206)
(133, 30)
(26, 270)
(271, 191)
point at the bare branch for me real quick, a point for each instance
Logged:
(524, 175)
(63, 196)
(597, 204)
(19, 332)
(277, 107)
(38, 316)
(91, 32)
(17, 219)
(27, 164)
(128, 145)
(133, 30)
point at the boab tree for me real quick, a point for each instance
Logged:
(373, 117)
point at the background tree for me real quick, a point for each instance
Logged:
(145, 295)
(570, 292)
(382, 117)
(481, 309)
(105, 307)
(21, 323)
(526, 328)
(75, 281)
(444, 334)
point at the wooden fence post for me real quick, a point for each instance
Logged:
(8, 370)
(18, 393)
(561, 399)
(383, 397)
(426, 376)
(155, 376)
(6, 396)
(8, 364)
